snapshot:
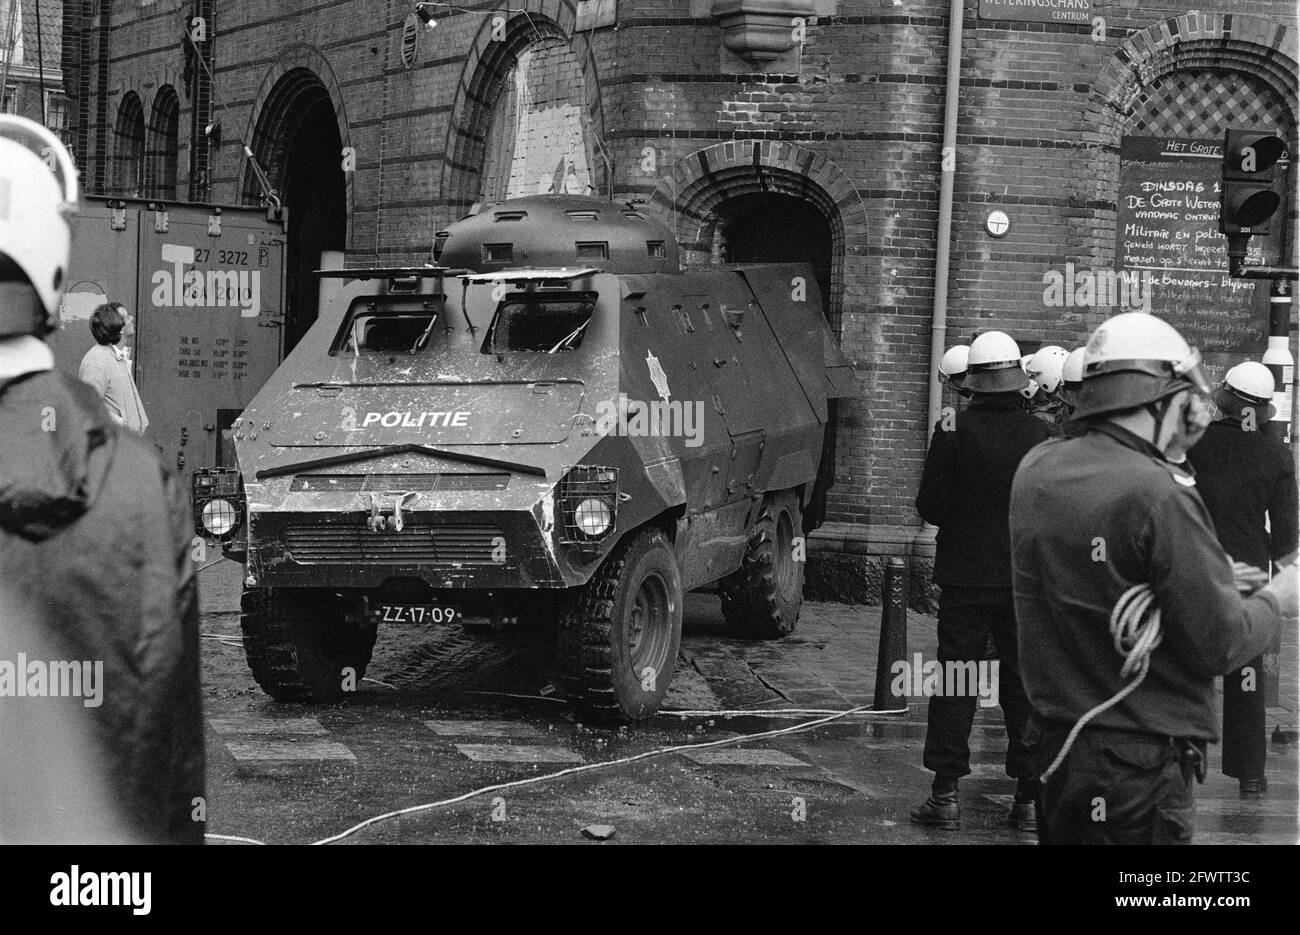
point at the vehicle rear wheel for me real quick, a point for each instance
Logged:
(620, 633)
(762, 598)
(300, 647)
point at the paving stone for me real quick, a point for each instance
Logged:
(258, 725)
(483, 729)
(742, 757)
(1247, 808)
(517, 753)
(977, 770)
(1228, 837)
(282, 750)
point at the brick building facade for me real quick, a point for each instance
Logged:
(809, 129)
(31, 82)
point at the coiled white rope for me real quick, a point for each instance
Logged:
(1135, 633)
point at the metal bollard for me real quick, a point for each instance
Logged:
(893, 633)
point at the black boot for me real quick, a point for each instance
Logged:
(1024, 807)
(941, 809)
(1252, 788)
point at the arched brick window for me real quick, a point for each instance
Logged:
(160, 163)
(128, 147)
(536, 141)
(528, 115)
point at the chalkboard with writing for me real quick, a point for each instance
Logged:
(1168, 228)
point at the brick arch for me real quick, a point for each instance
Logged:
(162, 149)
(486, 65)
(299, 70)
(1198, 41)
(1221, 41)
(128, 176)
(687, 198)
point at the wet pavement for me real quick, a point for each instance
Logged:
(444, 712)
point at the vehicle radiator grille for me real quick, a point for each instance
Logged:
(416, 544)
(344, 483)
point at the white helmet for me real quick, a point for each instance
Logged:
(1134, 359)
(1046, 365)
(994, 364)
(1250, 382)
(1030, 389)
(38, 190)
(1024, 362)
(1072, 369)
(953, 364)
(1247, 385)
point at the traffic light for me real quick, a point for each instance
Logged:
(1248, 197)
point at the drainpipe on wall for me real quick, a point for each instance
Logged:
(939, 318)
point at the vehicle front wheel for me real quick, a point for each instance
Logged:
(301, 647)
(619, 633)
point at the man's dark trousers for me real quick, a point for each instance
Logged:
(1114, 787)
(966, 617)
(1244, 747)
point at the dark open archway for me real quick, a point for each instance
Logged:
(768, 227)
(297, 144)
(771, 227)
(753, 201)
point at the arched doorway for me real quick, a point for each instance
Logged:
(757, 201)
(768, 227)
(298, 145)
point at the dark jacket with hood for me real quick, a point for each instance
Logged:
(95, 564)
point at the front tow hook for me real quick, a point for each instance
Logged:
(378, 522)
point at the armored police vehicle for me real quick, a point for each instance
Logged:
(554, 424)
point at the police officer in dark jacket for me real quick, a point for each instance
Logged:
(1106, 529)
(98, 610)
(965, 491)
(1243, 477)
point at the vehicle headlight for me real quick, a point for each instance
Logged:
(593, 517)
(219, 516)
(217, 495)
(587, 501)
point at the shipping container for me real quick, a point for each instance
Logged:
(203, 288)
